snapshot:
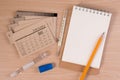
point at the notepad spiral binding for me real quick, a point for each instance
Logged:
(94, 11)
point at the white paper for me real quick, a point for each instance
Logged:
(85, 28)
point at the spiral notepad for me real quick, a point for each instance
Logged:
(86, 25)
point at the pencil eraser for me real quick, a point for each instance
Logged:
(46, 67)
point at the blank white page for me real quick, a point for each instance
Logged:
(86, 26)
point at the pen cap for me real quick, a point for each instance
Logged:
(46, 67)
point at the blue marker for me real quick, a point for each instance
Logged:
(46, 67)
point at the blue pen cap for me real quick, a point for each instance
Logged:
(46, 67)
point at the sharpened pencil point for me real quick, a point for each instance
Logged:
(102, 34)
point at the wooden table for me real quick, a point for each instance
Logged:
(10, 60)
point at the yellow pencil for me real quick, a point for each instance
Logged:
(91, 57)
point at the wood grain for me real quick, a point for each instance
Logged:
(10, 60)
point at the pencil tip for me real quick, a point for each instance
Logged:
(103, 33)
